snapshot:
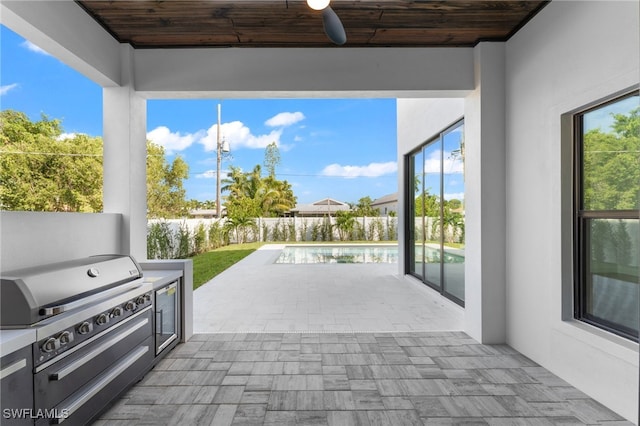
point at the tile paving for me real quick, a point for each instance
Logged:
(377, 378)
(258, 295)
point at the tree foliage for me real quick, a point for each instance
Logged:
(271, 158)
(612, 165)
(165, 191)
(363, 208)
(43, 170)
(252, 195)
(346, 223)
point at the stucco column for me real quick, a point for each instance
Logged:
(485, 230)
(124, 135)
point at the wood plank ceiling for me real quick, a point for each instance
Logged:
(291, 23)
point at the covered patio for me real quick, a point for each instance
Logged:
(489, 364)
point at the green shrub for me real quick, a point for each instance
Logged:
(199, 239)
(216, 235)
(184, 238)
(160, 241)
(292, 231)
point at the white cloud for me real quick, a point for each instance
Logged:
(173, 141)
(64, 136)
(454, 196)
(285, 119)
(238, 136)
(33, 48)
(235, 133)
(211, 174)
(452, 164)
(370, 170)
(5, 89)
(297, 138)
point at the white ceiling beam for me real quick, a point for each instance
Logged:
(64, 30)
(304, 72)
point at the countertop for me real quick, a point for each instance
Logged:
(12, 340)
(161, 277)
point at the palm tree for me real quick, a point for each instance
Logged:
(345, 222)
(235, 183)
(240, 225)
(271, 196)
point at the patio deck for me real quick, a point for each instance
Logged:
(258, 295)
(341, 345)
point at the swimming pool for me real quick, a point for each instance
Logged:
(305, 254)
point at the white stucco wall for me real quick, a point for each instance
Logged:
(35, 238)
(304, 72)
(570, 55)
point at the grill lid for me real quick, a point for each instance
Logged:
(32, 294)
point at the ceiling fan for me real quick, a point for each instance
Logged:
(332, 25)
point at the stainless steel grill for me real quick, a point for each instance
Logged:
(93, 323)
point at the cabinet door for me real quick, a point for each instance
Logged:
(16, 388)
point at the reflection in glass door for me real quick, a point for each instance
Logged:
(453, 212)
(431, 212)
(415, 223)
(435, 206)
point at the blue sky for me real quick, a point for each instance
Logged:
(339, 148)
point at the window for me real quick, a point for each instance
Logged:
(435, 209)
(606, 218)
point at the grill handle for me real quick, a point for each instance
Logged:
(58, 309)
(62, 373)
(104, 380)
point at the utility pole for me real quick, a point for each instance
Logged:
(222, 147)
(218, 165)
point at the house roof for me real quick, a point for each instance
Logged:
(386, 199)
(326, 205)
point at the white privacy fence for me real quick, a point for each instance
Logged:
(175, 238)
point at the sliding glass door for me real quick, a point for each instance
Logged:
(435, 207)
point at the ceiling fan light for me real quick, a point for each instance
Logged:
(318, 4)
(333, 27)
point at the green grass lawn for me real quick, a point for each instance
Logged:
(208, 265)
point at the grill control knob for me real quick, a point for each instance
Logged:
(85, 328)
(130, 306)
(140, 300)
(50, 345)
(102, 319)
(117, 311)
(65, 337)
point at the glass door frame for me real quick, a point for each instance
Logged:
(410, 222)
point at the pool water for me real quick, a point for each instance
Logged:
(339, 254)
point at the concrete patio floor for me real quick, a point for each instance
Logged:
(341, 345)
(257, 295)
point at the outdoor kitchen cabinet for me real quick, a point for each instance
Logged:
(16, 384)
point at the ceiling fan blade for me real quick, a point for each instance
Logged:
(333, 26)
